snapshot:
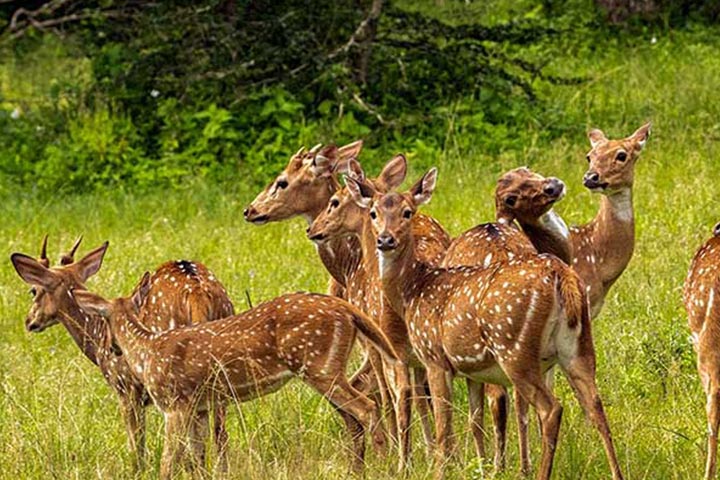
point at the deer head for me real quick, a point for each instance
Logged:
(391, 213)
(526, 196)
(612, 162)
(50, 286)
(304, 186)
(343, 216)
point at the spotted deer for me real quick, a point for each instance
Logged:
(506, 324)
(238, 358)
(528, 198)
(184, 292)
(603, 248)
(305, 188)
(701, 295)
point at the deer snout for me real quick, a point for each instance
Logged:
(386, 242)
(555, 188)
(253, 216)
(591, 180)
(315, 236)
(32, 326)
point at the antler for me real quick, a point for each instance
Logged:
(43, 253)
(69, 257)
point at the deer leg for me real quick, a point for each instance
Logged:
(423, 405)
(365, 381)
(529, 383)
(521, 411)
(386, 401)
(199, 431)
(176, 424)
(498, 399)
(476, 401)
(133, 413)
(400, 381)
(580, 372)
(357, 411)
(220, 436)
(713, 418)
(441, 390)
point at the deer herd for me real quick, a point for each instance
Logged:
(500, 305)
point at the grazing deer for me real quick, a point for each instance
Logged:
(603, 248)
(506, 324)
(527, 197)
(305, 188)
(184, 293)
(701, 295)
(242, 357)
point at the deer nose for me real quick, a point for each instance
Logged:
(248, 211)
(591, 179)
(386, 242)
(31, 325)
(554, 188)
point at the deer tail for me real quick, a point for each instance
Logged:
(573, 296)
(372, 332)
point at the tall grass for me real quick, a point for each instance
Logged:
(60, 420)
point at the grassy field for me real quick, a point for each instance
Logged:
(60, 420)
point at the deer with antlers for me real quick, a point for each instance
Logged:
(526, 197)
(304, 188)
(506, 324)
(181, 293)
(603, 248)
(242, 357)
(701, 296)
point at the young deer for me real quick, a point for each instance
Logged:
(603, 248)
(506, 324)
(189, 369)
(304, 188)
(527, 197)
(185, 293)
(701, 295)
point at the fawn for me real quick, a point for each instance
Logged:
(188, 369)
(701, 295)
(305, 188)
(185, 293)
(603, 248)
(527, 197)
(506, 324)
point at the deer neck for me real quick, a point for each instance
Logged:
(132, 338)
(550, 234)
(613, 234)
(89, 331)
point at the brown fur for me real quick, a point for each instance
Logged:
(701, 295)
(182, 299)
(504, 324)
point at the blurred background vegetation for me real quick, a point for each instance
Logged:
(138, 94)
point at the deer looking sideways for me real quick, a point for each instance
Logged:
(189, 369)
(506, 324)
(181, 293)
(528, 197)
(304, 188)
(701, 295)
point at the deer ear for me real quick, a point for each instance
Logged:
(596, 137)
(423, 189)
(354, 170)
(641, 135)
(33, 272)
(362, 192)
(393, 174)
(93, 303)
(351, 150)
(90, 263)
(141, 291)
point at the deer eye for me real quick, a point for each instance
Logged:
(282, 184)
(621, 156)
(373, 215)
(407, 214)
(511, 201)
(334, 203)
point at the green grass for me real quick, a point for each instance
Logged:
(60, 420)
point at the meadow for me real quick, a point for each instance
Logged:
(60, 420)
